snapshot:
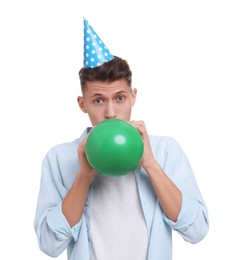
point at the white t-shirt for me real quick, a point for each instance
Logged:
(118, 227)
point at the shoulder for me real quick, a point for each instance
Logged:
(63, 150)
(163, 142)
(166, 149)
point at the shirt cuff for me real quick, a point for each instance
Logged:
(187, 215)
(60, 226)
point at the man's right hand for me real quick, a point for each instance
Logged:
(85, 169)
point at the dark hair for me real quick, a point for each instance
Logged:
(112, 70)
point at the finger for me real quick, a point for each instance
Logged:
(140, 125)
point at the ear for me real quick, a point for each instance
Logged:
(134, 95)
(81, 103)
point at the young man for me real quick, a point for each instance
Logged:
(121, 218)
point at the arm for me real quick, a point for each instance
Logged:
(59, 182)
(74, 202)
(184, 209)
(168, 194)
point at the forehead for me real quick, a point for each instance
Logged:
(106, 87)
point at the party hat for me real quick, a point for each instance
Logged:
(95, 51)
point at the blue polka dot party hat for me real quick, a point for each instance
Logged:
(95, 51)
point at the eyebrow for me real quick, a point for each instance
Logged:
(102, 95)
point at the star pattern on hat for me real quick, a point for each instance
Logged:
(95, 51)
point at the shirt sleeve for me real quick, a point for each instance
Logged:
(59, 225)
(192, 223)
(52, 229)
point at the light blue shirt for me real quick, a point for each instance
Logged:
(59, 169)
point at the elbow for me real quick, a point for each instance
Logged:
(195, 234)
(198, 237)
(50, 245)
(49, 250)
(51, 254)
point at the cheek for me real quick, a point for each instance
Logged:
(128, 106)
(125, 111)
(95, 115)
(94, 110)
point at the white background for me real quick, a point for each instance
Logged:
(185, 61)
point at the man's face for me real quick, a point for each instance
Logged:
(106, 100)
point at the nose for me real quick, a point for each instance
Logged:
(110, 111)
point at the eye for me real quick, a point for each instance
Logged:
(120, 98)
(98, 101)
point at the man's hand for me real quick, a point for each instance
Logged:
(85, 169)
(148, 157)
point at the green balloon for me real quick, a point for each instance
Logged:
(114, 147)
